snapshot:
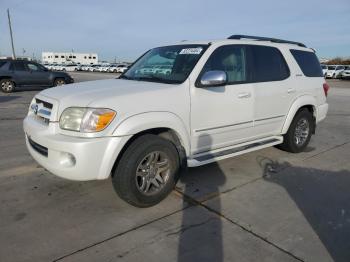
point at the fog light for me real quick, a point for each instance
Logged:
(67, 159)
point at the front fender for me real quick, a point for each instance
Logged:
(145, 121)
(297, 104)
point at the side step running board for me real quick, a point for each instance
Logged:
(206, 158)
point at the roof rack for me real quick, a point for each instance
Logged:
(261, 38)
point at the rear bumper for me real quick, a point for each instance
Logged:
(321, 112)
(73, 158)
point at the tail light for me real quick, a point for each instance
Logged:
(325, 89)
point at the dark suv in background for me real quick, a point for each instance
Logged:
(17, 73)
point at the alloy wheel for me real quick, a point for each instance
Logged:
(153, 173)
(302, 131)
(7, 86)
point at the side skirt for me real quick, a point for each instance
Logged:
(216, 155)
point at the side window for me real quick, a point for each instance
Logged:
(268, 64)
(33, 67)
(308, 63)
(232, 60)
(19, 66)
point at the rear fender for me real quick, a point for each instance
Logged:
(301, 101)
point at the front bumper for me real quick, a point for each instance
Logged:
(73, 158)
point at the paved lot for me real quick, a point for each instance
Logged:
(267, 205)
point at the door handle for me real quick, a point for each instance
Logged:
(291, 90)
(244, 95)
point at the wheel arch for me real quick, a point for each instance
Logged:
(306, 101)
(8, 77)
(164, 124)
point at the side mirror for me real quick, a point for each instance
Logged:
(213, 78)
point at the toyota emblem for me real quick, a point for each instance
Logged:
(36, 107)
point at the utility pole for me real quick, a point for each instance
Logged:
(13, 48)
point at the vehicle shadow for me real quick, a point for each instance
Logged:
(30, 88)
(4, 99)
(324, 199)
(200, 238)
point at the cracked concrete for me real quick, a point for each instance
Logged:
(267, 205)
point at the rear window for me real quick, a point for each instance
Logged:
(268, 64)
(308, 63)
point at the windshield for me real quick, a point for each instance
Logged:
(331, 67)
(168, 64)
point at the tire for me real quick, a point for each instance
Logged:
(303, 118)
(7, 85)
(59, 82)
(133, 180)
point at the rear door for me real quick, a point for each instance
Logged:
(274, 90)
(20, 73)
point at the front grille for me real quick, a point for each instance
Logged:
(46, 104)
(42, 110)
(38, 148)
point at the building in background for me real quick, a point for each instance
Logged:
(69, 58)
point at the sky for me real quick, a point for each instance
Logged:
(126, 29)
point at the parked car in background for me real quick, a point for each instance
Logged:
(324, 70)
(122, 68)
(85, 68)
(17, 73)
(112, 68)
(104, 67)
(346, 73)
(334, 71)
(70, 67)
(94, 68)
(222, 99)
(59, 67)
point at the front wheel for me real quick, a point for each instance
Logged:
(147, 171)
(299, 133)
(59, 82)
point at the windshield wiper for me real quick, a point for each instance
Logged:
(123, 77)
(154, 79)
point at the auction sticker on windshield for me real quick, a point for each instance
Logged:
(191, 51)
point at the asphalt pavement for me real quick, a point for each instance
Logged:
(267, 205)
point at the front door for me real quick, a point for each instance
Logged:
(38, 74)
(223, 116)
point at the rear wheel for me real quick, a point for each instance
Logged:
(7, 86)
(147, 171)
(299, 133)
(59, 82)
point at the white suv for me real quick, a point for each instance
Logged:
(221, 99)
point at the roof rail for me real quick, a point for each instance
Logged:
(261, 38)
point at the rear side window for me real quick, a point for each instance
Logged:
(268, 64)
(2, 63)
(18, 66)
(308, 63)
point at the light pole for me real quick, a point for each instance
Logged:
(13, 48)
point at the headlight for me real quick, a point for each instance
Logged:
(86, 119)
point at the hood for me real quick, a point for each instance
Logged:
(84, 93)
(124, 96)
